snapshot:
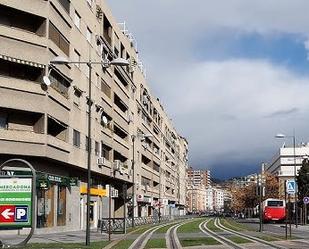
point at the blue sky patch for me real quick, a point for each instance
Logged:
(285, 49)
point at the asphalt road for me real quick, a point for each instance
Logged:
(300, 232)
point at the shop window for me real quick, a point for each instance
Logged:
(45, 207)
(76, 138)
(61, 206)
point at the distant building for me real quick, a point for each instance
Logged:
(198, 177)
(282, 164)
(196, 199)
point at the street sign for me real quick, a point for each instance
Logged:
(290, 186)
(306, 200)
(15, 202)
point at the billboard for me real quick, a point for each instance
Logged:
(15, 202)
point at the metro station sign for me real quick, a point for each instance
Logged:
(15, 202)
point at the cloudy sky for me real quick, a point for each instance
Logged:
(231, 74)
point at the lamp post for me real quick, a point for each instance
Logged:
(133, 137)
(294, 152)
(105, 64)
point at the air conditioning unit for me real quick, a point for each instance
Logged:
(100, 161)
(145, 100)
(117, 165)
(137, 185)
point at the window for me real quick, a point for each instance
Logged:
(76, 57)
(86, 143)
(76, 138)
(89, 35)
(89, 2)
(65, 4)
(77, 20)
(56, 36)
(97, 148)
(105, 88)
(3, 120)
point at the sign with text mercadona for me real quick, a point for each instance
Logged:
(15, 202)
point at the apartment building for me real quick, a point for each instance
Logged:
(48, 125)
(198, 177)
(196, 199)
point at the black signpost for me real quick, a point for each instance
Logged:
(17, 197)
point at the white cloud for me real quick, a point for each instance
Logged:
(229, 110)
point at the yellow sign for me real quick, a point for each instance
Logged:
(93, 191)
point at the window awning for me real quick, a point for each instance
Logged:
(20, 61)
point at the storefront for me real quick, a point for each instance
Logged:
(144, 206)
(96, 205)
(53, 195)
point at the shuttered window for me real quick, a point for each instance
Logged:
(59, 39)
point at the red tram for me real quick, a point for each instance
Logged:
(273, 210)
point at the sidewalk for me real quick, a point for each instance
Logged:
(64, 237)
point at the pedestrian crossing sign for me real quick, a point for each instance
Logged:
(290, 186)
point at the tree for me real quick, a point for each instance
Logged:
(272, 186)
(303, 180)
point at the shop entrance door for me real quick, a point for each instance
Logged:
(93, 214)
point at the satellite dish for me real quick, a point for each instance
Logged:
(104, 120)
(46, 81)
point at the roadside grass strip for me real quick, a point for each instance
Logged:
(140, 230)
(165, 228)
(123, 244)
(93, 245)
(191, 227)
(227, 224)
(238, 240)
(239, 226)
(211, 226)
(156, 243)
(199, 242)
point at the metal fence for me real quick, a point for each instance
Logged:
(118, 225)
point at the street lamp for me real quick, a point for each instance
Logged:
(59, 60)
(280, 136)
(133, 137)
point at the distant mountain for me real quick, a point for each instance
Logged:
(216, 180)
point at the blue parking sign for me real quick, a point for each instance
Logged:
(21, 213)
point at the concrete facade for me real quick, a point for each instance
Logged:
(282, 164)
(48, 125)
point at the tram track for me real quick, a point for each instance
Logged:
(246, 236)
(220, 238)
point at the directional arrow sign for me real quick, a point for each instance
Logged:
(7, 213)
